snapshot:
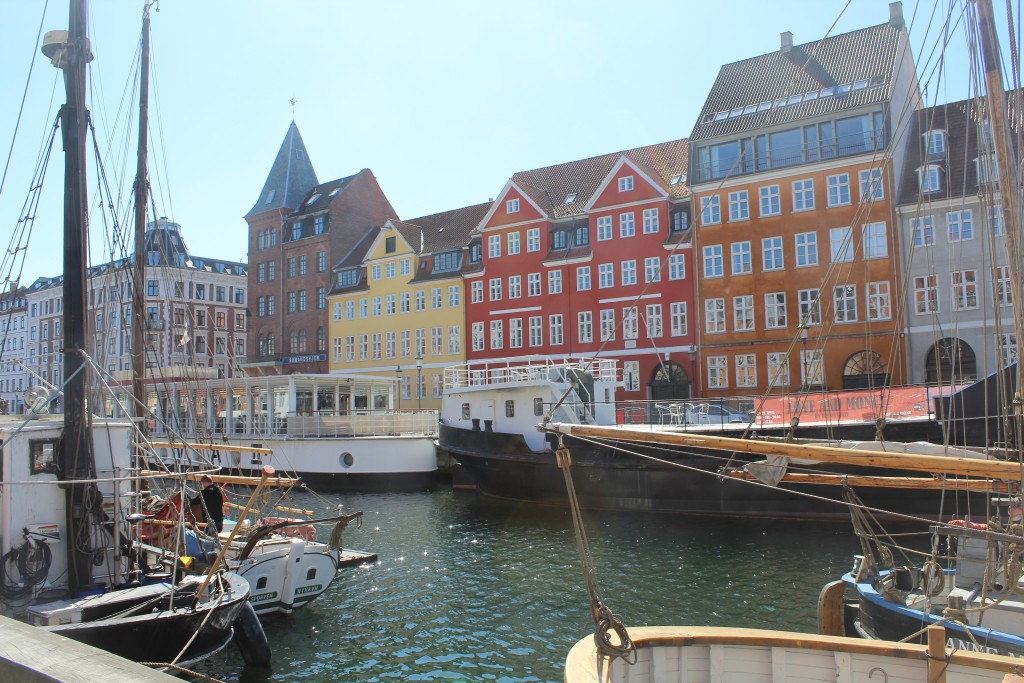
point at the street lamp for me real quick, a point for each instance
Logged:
(419, 372)
(805, 380)
(398, 374)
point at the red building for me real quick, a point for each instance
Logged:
(591, 257)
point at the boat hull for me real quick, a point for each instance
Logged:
(503, 466)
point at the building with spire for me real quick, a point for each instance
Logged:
(298, 229)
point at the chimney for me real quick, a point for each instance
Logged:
(896, 14)
(787, 41)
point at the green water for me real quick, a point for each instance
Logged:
(471, 589)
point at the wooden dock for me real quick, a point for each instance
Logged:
(354, 558)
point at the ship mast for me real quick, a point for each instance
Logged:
(139, 266)
(1009, 182)
(76, 461)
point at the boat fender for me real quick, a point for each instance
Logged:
(250, 638)
(968, 524)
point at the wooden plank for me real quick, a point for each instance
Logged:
(283, 482)
(936, 654)
(927, 483)
(830, 609)
(225, 447)
(903, 461)
(779, 668)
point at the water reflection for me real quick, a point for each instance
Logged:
(470, 589)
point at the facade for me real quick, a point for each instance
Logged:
(45, 304)
(397, 306)
(959, 315)
(590, 257)
(14, 379)
(794, 167)
(297, 230)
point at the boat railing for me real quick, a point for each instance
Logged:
(326, 424)
(490, 373)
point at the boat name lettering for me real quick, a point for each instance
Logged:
(958, 644)
(263, 597)
(309, 589)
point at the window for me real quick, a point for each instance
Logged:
(421, 298)
(555, 329)
(741, 258)
(746, 370)
(494, 246)
(533, 284)
(1008, 350)
(628, 273)
(404, 264)
(627, 227)
(924, 230)
(803, 195)
(389, 344)
(515, 286)
(879, 303)
(1004, 296)
(935, 144)
(718, 372)
(841, 244)
(926, 294)
(965, 289)
(739, 209)
(604, 228)
(650, 221)
(986, 168)
(582, 278)
(653, 321)
(871, 184)
(714, 316)
(560, 239)
(321, 298)
(743, 313)
(680, 221)
(928, 178)
(200, 290)
(769, 200)
(607, 325)
(375, 306)
(678, 326)
(960, 225)
(585, 327)
(497, 334)
(778, 369)
(293, 298)
(406, 342)
(844, 298)
(809, 307)
(436, 340)
(389, 269)
(495, 286)
(996, 214)
(297, 231)
(605, 276)
(775, 310)
(536, 324)
(533, 239)
(515, 333)
(152, 288)
(806, 249)
(512, 206)
(713, 266)
(677, 267)
(476, 293)
(554, 282)
(364, 347)
(454, 296)
(874, 241)
(454, 339)
(477, 333)
(271, 274)
(771, 253)
(513, 243)
(710, 210)
(630, 324)
(389, 304)
(812, 367)
(374, 270)
(364, 308)
(625, 183)
(652, 269)
(261, 273)
(302, 265)
(838, 189)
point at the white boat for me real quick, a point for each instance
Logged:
(335, 432)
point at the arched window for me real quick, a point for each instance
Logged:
(950, 361)
(864, 369)
(321, 339)
(302, 342)
(293, 342)
(669, 382)
(270, 344)
(261, 345)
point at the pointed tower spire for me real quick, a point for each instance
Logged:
(291, 177)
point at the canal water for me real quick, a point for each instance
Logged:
(473, 589)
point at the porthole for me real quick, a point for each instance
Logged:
(261, 582)
(311, 574)
(346, 459)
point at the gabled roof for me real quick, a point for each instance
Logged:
(290, 178)
(960, 121)
(760, 87)
(354, 257)
(442, 231)
(550, 187)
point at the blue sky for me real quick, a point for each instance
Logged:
(442, 101)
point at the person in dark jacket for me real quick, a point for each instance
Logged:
(213, 501)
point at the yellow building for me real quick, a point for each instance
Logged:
(397, 304)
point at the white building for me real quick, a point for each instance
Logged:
(13, 376)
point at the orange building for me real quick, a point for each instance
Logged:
(793, 165)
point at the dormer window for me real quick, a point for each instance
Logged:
(270, 196)
(348, 278)
(625, 183)
(318, 225)
(559, 239)
(334, 193)
(582, 237)
(474, 252)
(988, 172)
(512, 206)
(928, 177)
(390, 244)
(935, 143)
(153, 258)
(677, 178)
(297, 230)
(312, 200)
(571, 198)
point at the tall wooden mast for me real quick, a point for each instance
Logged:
(1009, 182)
(139, 267)
(76, 461)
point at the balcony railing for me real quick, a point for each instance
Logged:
(322, 425)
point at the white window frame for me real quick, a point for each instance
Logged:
(803, 195)
(768, 200)
(739, 205)
(838, 189)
